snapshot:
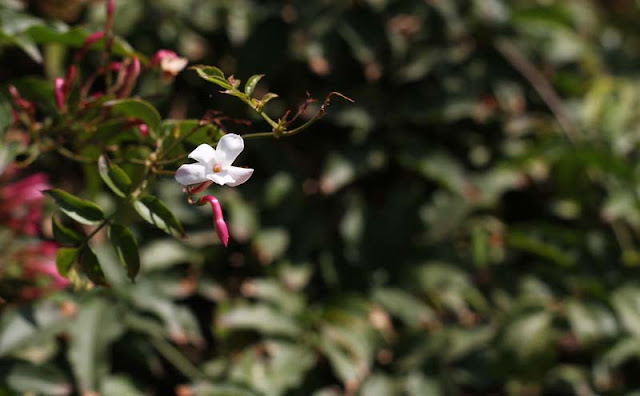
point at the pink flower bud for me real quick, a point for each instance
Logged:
(144, 130)
(110, 9)
(69, 80)
(88, 42)
(130, 78)
(142, 127)
(218, 219)
(115, 66)
(58, 91)
(20, 102)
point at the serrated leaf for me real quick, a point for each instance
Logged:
(82, 211)
(65, 257)
(156, 212)
(64, 235)
(136, 108)
(114, 177)
(250, 86)
(212, 74)
(90, 266)
(127, 249)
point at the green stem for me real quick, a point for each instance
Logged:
(258, 135)
(259, 111)
(172, 160)
(98, 228)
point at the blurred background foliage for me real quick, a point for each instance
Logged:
(468, 227)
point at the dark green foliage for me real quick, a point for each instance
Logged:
(469, 226)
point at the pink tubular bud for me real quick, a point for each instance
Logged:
(88, 42)
(69, 79)
(218, 219)
(130, 78)
(20, 102)
(58, 92)
(110, 9)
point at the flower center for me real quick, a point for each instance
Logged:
(216, 168)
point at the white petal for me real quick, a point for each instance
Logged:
(204, 154)
(220, 178)
(229, 146)
(173, 65)
(239, 175)
(191, 174)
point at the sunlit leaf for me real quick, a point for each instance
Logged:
(114, 177)
(251, 83)
(82, 211)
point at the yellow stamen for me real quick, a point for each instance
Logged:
(216, 168)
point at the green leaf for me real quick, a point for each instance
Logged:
(29, 326)
(156, 212)
(114, 177)
(285, 369)
(250, 86)
(90, 266)
(266, 98)
(8, 152)
(65, 257)
(64, 235)
(626, 302)
(405, 306)
(261, 318)
(126, 247)
(591, 322)
(82, 211)
(212, 74)
(97, 325)
(136, 108)
(28, 378)
(5, 119)
(536, 329)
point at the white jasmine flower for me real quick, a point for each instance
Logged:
(215, 164)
